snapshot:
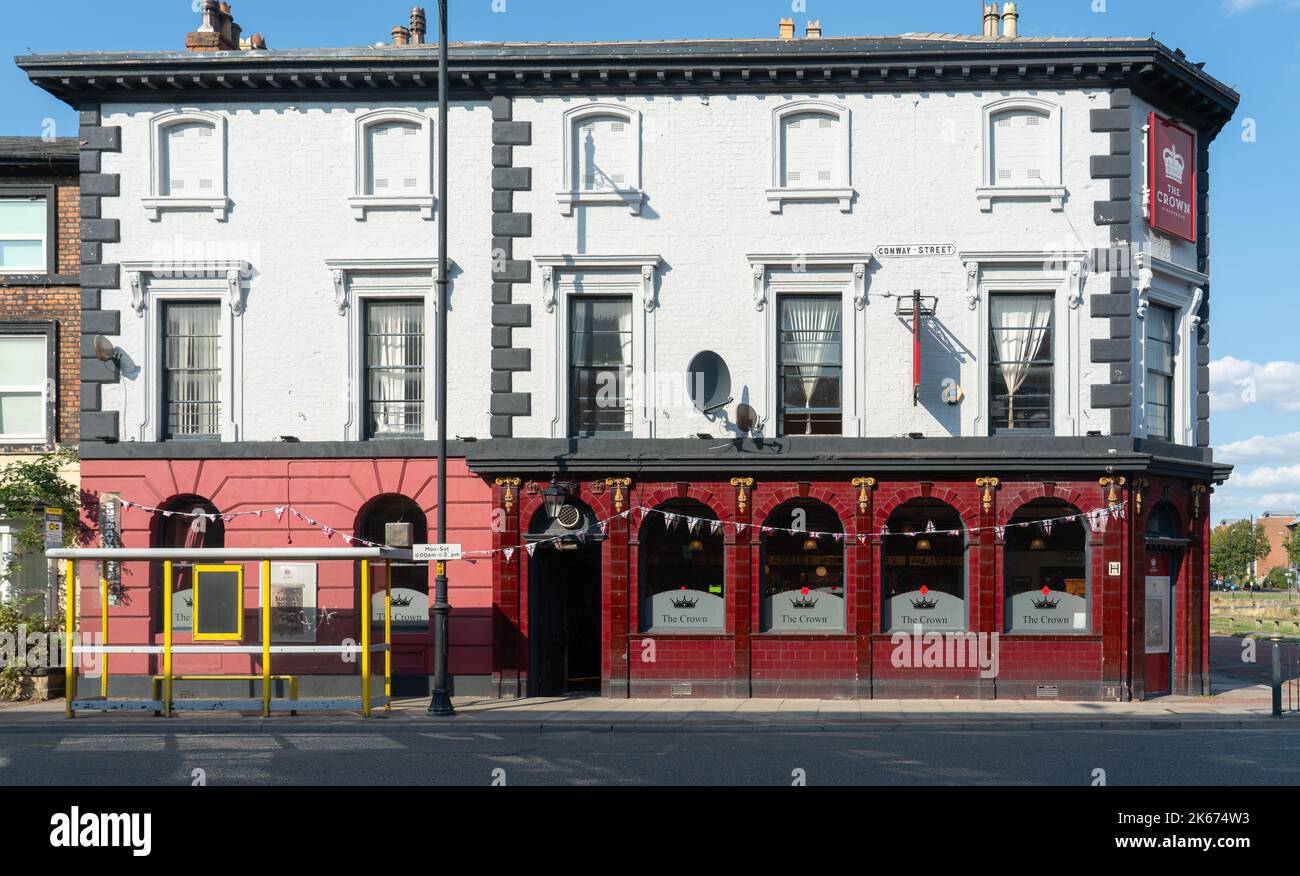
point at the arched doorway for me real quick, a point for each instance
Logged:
(186, 522)
(410, 592)
(1164, 554)
(564, 601)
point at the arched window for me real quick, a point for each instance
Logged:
(602, 157)
(393, 163)
(392, 159)
(1022, 152)
(188, 158)
(1161, 523)
(924, 568)
(194, 523)
(810, 154)
(1045, 570)
(803, 569)
(682, 576)
(410, 584)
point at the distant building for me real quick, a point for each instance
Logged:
(1277, 527)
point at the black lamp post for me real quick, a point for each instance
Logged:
(440, 702)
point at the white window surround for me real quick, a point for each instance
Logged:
(1181, 289)
(217, 202)
(425, 202)
(1052, 188)
(160, 282)
(841, 187)
(1060, 274)
(843, 274)
(356, 281)
(571, 193)
(635, 276)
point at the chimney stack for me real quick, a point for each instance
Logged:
(991, 21)
(401, 35)
(217, 29)
(814, 31)
(417, 26)
(1010, 20)
(787, 29)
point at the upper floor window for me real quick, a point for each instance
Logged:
(810, 154)
(1160, 349)
(26, 245)
(600, 366)
(1022, 153)
(602, 157)
(393, 163)
(24, 398)
(192, 369)
(810, 363)
(1021, 364)
(189, 164)
(394, 369)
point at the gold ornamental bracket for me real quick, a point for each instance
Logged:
(742, 497)
(508, 487)
(1112, 497)
(864, 485)
(1198, 490)
(619, 485)
(1139, 486)
(988, 485)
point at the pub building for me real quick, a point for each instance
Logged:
(765, 354)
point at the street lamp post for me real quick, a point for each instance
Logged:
(440, 702)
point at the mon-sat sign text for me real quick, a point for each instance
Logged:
(436, 552)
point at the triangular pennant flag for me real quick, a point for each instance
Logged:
(714, 526)
(1047, 527)
(862, 538)
(954, 533)
(167, 514)
(740, 527)
(581, 537)
(212, 518)
(508, 553)
(838, 536)
(530, 547)
(347, 538)
(1001, 532)
(929, 526)
(884, 530)
(226, 518)
(127, 503)
(329, 532)
(692, 524)
(626, 514)
(604, 527)
(279, 512)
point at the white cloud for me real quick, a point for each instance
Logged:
(1268, 477)
(1261, 447)
(1236, 383)
(1240, 7)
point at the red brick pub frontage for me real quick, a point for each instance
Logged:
(1131, 637)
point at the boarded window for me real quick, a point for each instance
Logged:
(392, 159)
(1021, 147)
(190, 160)
(602, 154)
(809, 149)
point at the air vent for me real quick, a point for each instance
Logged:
(1049, 691)
(681, 690)
(569, 517)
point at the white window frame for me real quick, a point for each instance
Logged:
(843, 274)
(1182, 290)
(357, 281)
(46, 387)
(841, 188)
(154, 283)
(571, 193)
(46, 194)
(361, 202)
(1053, 188)
(1059, 274)
(565, 276)
(156, 203)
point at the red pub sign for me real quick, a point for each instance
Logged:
(1171, 163)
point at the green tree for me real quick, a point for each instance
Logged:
(26, 489)
(1234, 547)
(1292, 545)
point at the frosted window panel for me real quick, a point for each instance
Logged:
(809, 144)
(603, 158)
(22, 413)
(1020, 143)
(24, 217)
(22, 254)
(392, 159)
(189, 159)
(22, 361)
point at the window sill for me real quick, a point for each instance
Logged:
(361, 203)
(631, 198)
(777, 198)
(38, 278)
(155, 206)
(986, 195)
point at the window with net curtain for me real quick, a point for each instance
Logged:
(600, 366)
(23, 226)
(810, 365)
(192, 370)
(1160, 372)
(1021, 366)
(395, 369)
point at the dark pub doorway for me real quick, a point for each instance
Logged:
(564, 604)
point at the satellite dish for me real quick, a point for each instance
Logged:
(105, 351)
(746, 418)
(708, 381)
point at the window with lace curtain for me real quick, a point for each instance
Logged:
(394, 369)
(810, 365)
(1020, 365)
(600, 366)
(192, 370)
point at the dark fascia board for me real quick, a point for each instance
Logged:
(478, 70)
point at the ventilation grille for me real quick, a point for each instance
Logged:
(569, 517)
(1049, 691)
(681, 690)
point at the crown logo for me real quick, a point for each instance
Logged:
(1046, 602)
(402, 601)
(803, 600)
(925, 603)
(684, 601)
(1174, 164)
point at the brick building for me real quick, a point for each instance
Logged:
(40, 315)
(765, 352)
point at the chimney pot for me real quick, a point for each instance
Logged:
(417, 26)
(401, 36)
(208, 16)
(991, 21)
(786, 31)
(257, 42)
(814, 30)
(1010, 20)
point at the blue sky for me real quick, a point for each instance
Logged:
(1253, 45)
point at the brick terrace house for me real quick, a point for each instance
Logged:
(40, 320)
(766, 352)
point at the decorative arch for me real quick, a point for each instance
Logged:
(420, 196)
(410, 582)
(1049, 185)
(833, 184)
(803, 575)
(682, 574)
(925, 570)
(1047, 586)
(161, 194)
(1011, 502)
(180, 531)
(627, 192)
(887, 503)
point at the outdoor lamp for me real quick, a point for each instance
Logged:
(553, 498)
